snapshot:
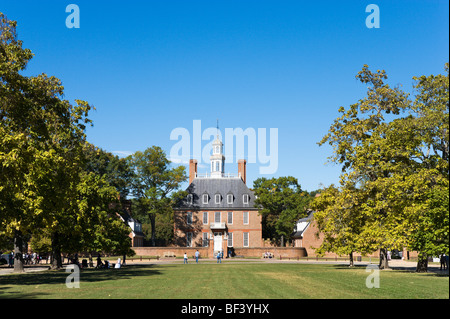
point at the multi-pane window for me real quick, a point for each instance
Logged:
(205, 199)
(245, 218)
(230, 240)
(217, 217)
(218, 198)
(188, 239)
(245, 240)
(189, 218)
(205, 240)
(245, 198)
(230, 198)
(205, 218)
(230, 218)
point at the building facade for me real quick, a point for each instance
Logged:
(219, 212)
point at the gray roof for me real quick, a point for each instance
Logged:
(307, 219)
(221, 186)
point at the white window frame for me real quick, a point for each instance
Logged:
(230, 199)
(245, 198)
(189, 239)
(215, 217)
(205, 216)
(245, 218)
(230, 240)
(190, 198)
(205, 198)
(230, 214)
(205, 240)
(245, 239)
(217, 198)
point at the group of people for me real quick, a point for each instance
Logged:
(28, 259)
(100, 264)
(219, 257)
(106, 265)
(268, 254)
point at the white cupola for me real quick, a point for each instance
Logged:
(217, 158)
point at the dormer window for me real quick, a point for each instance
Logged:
(245, 198)
(205, 199)
(190, 199)
(230, 199)
(218, 198)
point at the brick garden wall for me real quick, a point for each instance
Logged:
(284, 252)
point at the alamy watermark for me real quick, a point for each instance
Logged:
(373, 19)
(73, 19)
(373, 279)
(261, 149)
(73, 280)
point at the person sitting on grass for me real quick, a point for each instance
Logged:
(99, 262)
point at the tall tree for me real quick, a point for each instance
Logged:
(394, 160)
(41, 138)
(282, 203)
(338, 220)
(154, 182)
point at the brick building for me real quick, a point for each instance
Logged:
(136, 234)
(219, 212)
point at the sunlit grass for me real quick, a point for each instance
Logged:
(226, 281)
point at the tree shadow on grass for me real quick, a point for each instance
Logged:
(400, 269)
(86, 275)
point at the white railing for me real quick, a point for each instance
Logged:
(223, 175)
(217, 225)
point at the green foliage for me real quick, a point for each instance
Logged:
(394, 151)
(41, 243)
(115, 170)
(155, 185)
(282, 203)
(51, 183)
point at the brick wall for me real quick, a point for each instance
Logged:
(277, 252)
(236, 227)
(284, 252)
(177, 251)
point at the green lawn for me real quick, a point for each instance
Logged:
(226, 281)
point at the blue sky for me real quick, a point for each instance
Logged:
(152, 66)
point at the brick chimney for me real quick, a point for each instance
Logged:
(242, 169)
(192, 170)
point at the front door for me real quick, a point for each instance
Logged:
(217, 242)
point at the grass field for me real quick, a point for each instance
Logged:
(226, 281)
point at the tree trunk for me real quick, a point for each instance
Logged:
(153, 224)
(56, 262)
(422, 263)
(384, 264)
(18, 252)
(351, 259)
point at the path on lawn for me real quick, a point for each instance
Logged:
(395, 264)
